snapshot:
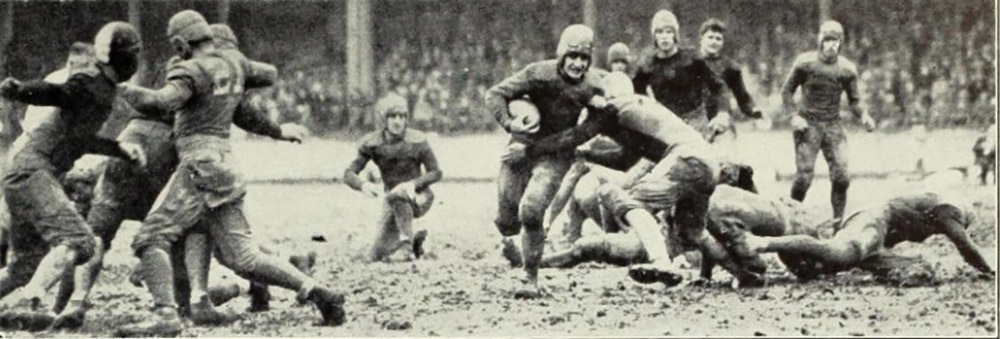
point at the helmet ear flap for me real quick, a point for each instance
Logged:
(180, 45)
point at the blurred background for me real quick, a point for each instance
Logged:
(927, 62)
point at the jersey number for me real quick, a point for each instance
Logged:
(228, 79)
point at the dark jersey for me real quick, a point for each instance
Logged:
(731, 74)
(559, 101)
(822, 83)
(85, 102)
(681, 82)
(397, 158)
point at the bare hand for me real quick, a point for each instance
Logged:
(293, 132)
(371, 190)
(9, 86)
(868, 122)
(598, 102)
(514, 152)
(134, 152)
(798, 123)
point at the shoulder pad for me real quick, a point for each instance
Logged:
(806, 57)
(415, 136)
(372, 139)
(847, 65)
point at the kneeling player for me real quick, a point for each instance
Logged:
(398, 152)
(865, 238)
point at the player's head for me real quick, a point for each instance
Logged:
(616, 84)
(224, 37)
(713, 36)
(394, 112)
(81, 57)
(666, 30)
(188, 30)
(575, 51)
(737, 175)
(831, 35)
(117, 45)
(619, 57)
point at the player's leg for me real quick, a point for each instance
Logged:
(546, 176)
(4, 231)
(834, 146)
(387, 235)
(807, 142)
(178, 208)
(862, 236)
(55, 218)
(197, 257)
(613, 248)
(25, 256)
(238, 252)
(421, 204)
(511, 183)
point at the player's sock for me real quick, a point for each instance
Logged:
(158, 275)
(197, 258)
(511, 252)
(58, 262)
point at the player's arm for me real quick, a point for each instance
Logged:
(260, 74)
(432, 172)
(641, 80)
(714, 85)
(956, 233)
(351, 177)
(252, 119)
(107, 147)
(796, 78)
(850, 85)
(42, 93)
(184, 79)
(597, 120)
(733, 77)
(618, 158)
(639, 170)
(509, 89)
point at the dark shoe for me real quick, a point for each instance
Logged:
(528, 291)
(71, 317)
(203, 313)
(652, 273)
(165, 322)
(330, 305)
(418, 243)
(224, 293)
(26, 315)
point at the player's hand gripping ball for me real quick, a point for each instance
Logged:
(526, 120)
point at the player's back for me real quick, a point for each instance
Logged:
(217, 81)
(647, 117)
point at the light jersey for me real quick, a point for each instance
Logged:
(646, 116)
(216, 85)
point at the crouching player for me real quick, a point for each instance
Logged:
(398, 152)
(865, 239)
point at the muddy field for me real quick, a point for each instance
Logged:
(463, 287)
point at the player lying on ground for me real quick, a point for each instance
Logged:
(865, 238)
(40, 211)
(204, 90)
(682, 181)
(735, 203)
(398, 151)
(560, 89)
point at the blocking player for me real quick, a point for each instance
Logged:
(204, 91)
(683, 179)
(678, 77)
(865, 238)
(399, 152)
(127, 192)
(619, 58)
(41, 213)
(560, 88)
(823, 76)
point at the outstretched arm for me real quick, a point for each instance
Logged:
(952, 227)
